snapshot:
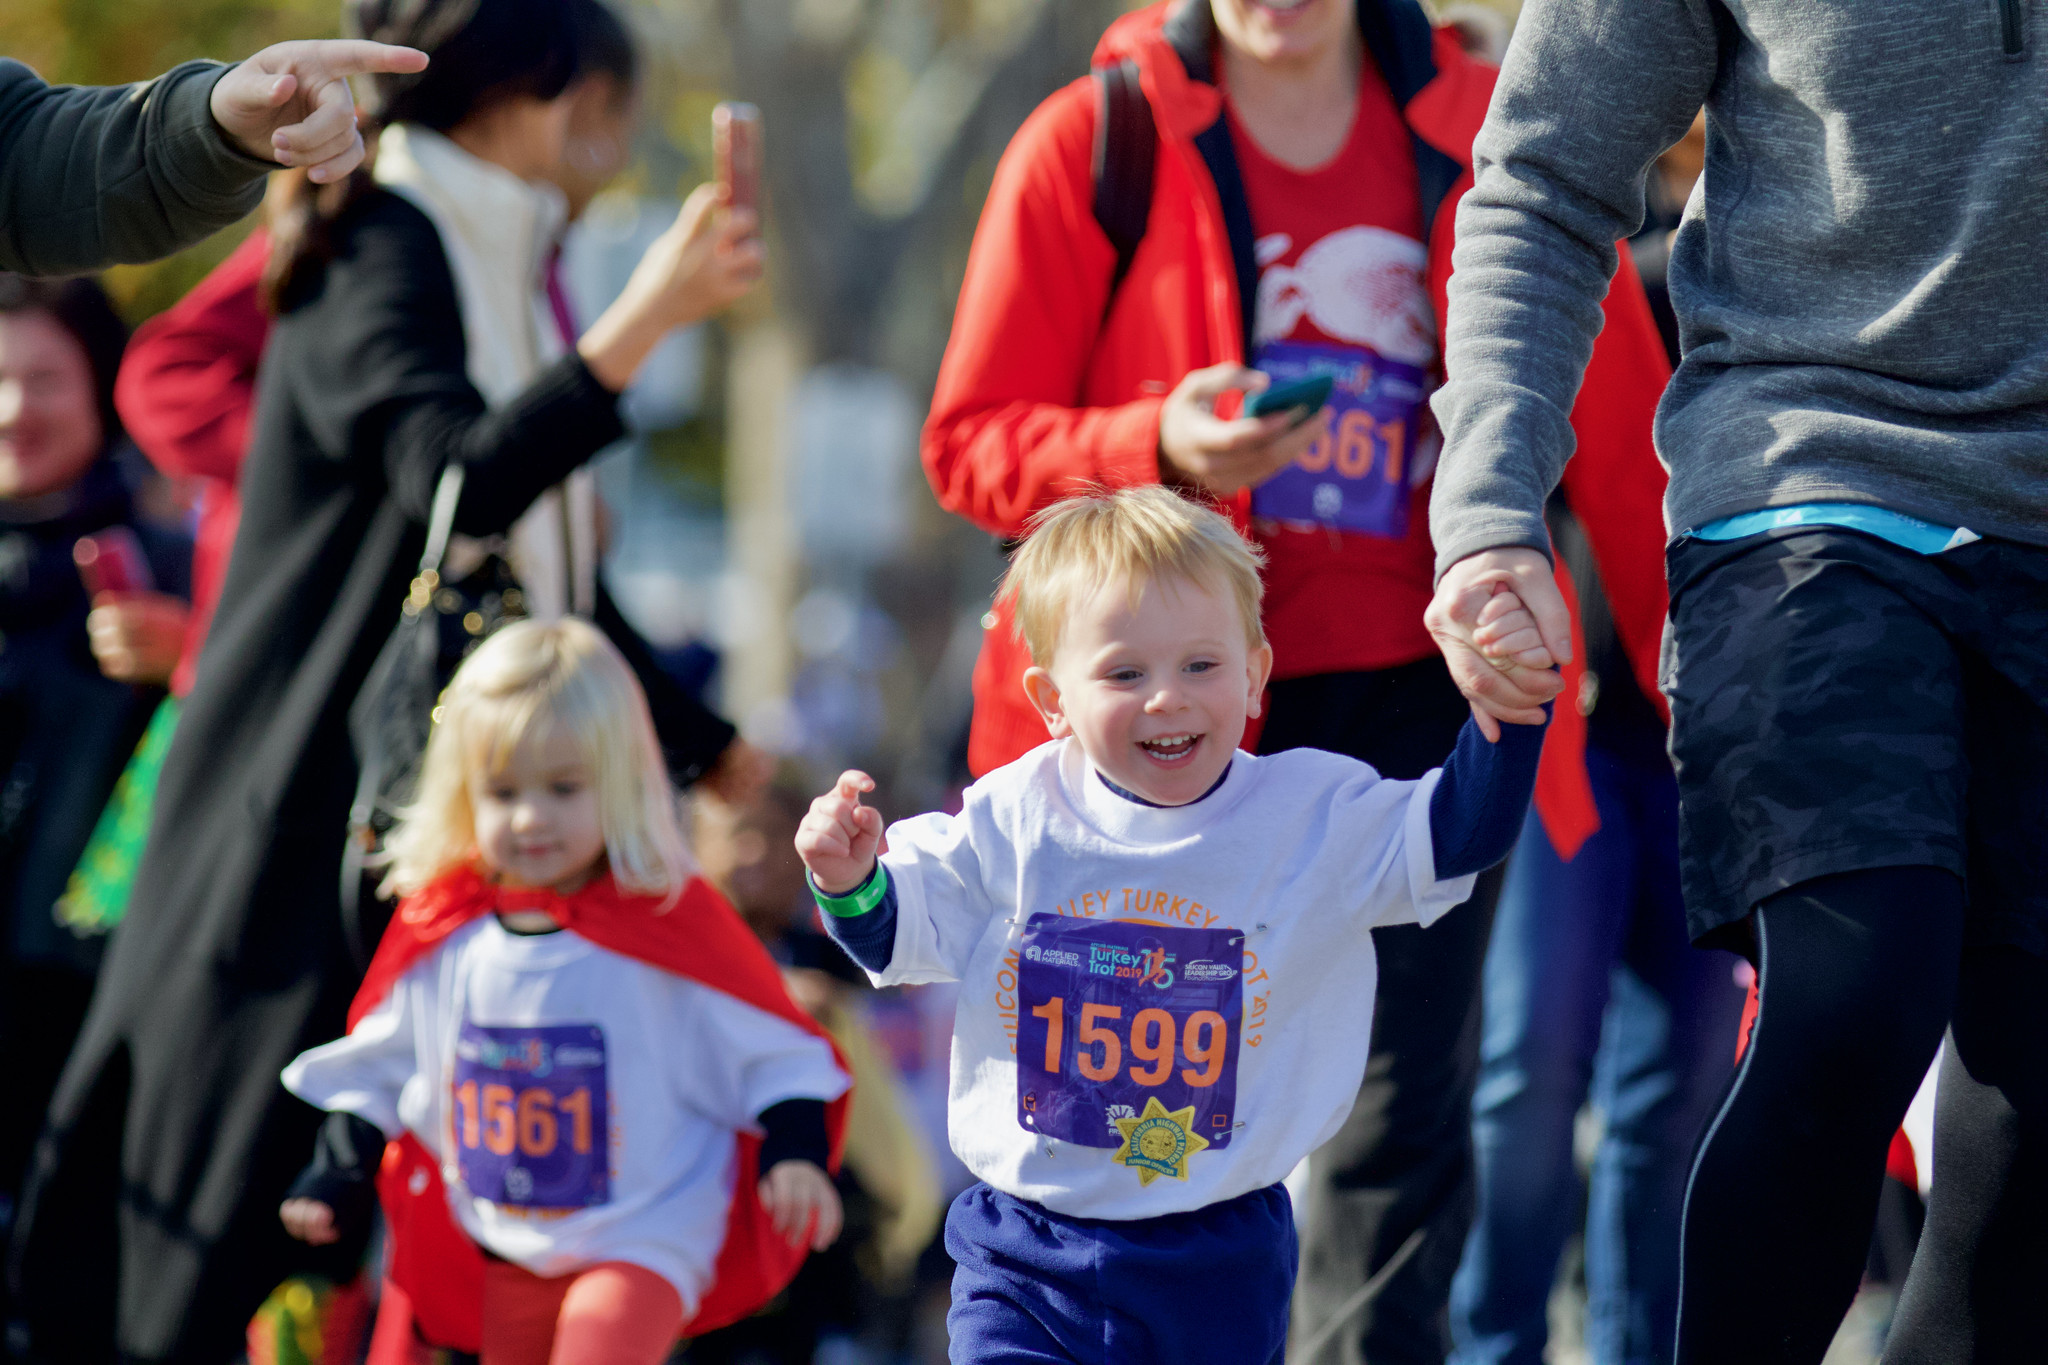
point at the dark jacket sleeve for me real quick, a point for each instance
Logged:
(343, 1172)
(379, 375)
(692, 736)
(97, 177)
(794, 1130)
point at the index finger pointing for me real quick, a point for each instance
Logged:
(360, 56)
(853, 782)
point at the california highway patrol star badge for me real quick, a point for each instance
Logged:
(1158, 1143)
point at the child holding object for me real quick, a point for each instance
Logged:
(1167, 975)
(575, 1035)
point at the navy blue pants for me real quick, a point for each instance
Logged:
(1036, 1286)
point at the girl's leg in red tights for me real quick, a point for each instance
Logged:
(611, 1314)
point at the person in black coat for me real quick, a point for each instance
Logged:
(149, 1225)
(68, 720)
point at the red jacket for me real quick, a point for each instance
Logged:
(1041, 394)
(437, 1269)
(186, 387)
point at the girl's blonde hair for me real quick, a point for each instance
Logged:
(525, 679)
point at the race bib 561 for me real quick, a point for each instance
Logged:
(1119, 1020)
(529, 1115)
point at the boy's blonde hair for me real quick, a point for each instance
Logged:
(1133, 537)
(524, 679)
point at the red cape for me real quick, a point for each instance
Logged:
(701, 938)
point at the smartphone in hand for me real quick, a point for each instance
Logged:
(1307, 394)
(112, 561)
(736, 146)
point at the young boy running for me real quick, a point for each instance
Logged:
(1163, 944)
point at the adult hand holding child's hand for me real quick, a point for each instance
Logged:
(1502, 663)
(839, 838)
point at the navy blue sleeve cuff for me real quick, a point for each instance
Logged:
(794, 1130)
(868, 935)
(1476, 811)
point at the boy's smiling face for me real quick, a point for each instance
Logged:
(1157, 689)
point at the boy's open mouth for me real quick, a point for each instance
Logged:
(1170, 751)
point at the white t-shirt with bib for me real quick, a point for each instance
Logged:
(1160, 1008)
(584, 1105)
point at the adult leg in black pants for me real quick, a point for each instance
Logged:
(1867, 726)
(1975, 1291)
(1403, 1159)
(1858, 976)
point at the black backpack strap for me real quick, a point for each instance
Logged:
(1125, 142)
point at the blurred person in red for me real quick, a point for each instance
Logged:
(69, 718)
(185, 391)
(409, 338)
(1293, 168)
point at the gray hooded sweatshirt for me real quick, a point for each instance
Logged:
(1861, 277)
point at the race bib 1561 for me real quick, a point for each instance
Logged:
(1356, 477)
(529, 1115)
(1115, 1014)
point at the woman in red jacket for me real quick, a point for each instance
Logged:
(1306, 161)
(185, 391)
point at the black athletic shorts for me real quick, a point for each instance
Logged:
(1841, 703)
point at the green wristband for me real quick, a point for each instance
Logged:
(858, 901)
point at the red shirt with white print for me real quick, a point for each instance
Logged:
(1342, 281)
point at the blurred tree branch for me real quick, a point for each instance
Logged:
(878, 114)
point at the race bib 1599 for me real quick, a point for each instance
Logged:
(1115, 1013)
(529, 1115)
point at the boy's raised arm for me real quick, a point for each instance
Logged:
(912, 918)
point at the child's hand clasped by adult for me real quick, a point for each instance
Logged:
(840, 838)
(1507, 634)
(1496, 682)
(802, 1201)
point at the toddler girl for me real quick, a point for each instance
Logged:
(573, 1046)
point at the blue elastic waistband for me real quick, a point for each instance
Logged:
(1908, 533)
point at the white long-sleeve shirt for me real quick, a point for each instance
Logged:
(1161, 1008)
(584, 1105)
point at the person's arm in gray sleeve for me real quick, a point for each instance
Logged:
(97, 177)
(1591, 92)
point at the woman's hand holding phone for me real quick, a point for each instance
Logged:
(707, 260)
(1221, 456)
